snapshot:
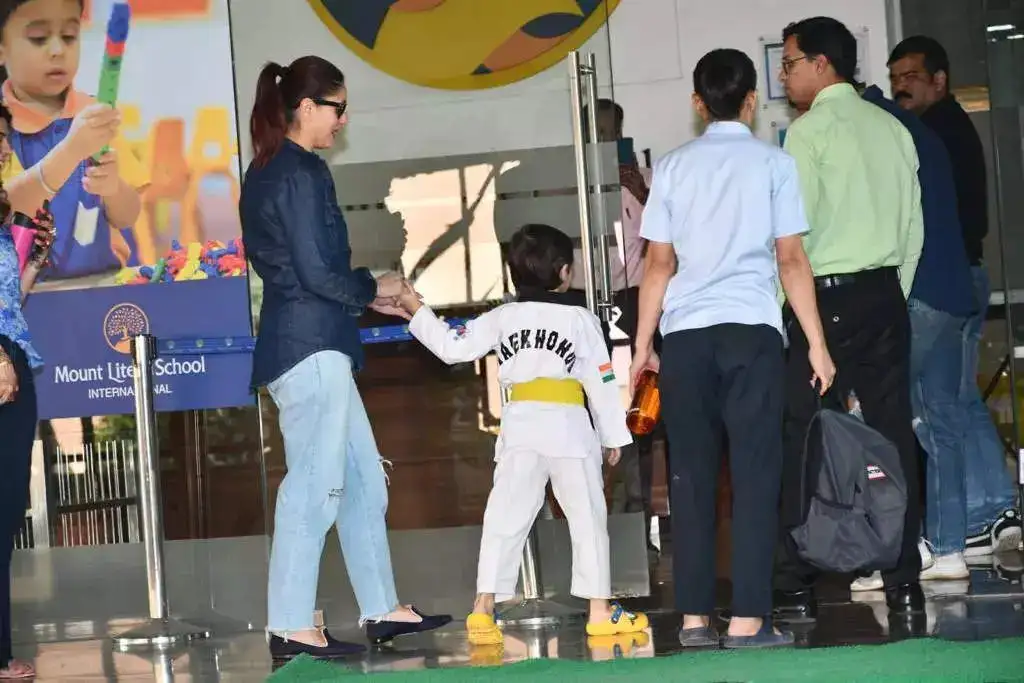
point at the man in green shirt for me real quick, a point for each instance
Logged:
(858, 176)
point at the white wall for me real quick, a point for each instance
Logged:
(654, 45)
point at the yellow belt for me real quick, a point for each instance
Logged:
(547, 390)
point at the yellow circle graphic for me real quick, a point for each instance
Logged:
(463, 44)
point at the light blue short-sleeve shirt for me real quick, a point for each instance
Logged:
(721, 201)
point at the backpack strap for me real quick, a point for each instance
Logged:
(819, 400)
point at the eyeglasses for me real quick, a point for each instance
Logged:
(788, 64)
(339, 107)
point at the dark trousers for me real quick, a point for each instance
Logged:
(17, 432)
(867, 329)
(724, 380)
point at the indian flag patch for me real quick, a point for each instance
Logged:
(607, 374)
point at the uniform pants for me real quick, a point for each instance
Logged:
(520, 480)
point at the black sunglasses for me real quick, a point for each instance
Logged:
(339, 107)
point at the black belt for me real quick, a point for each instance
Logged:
(841, 279)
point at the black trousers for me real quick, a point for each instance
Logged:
(867, 329)
(18, 430)
(717, 381)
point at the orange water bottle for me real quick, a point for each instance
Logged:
(645, 410)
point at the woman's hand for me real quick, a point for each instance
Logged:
(390, 286)
(8, 379)
(45, 234)
(389, 307)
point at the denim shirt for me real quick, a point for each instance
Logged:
(943, 277)
(297, 241)
(12, 322)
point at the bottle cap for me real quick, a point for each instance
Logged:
(23, 221)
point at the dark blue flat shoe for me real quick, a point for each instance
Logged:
(380, 632)
(283, 650)
(700, 637)
(763, 639)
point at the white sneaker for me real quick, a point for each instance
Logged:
(1002, 535)
(875, 583)
(927, 558)
(867, 583)
(949, 567)
(1006, 532)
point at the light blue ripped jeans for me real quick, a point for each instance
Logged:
(335, 477)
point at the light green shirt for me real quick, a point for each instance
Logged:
(858, 176)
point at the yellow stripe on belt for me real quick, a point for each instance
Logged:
(548, 390)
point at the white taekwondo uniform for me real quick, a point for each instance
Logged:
(549, 354)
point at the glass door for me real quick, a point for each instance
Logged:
(1004, 31)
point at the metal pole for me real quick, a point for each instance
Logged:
(579, 147)
(160, 631)
(603, 279)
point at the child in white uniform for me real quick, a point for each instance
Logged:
(550, 354)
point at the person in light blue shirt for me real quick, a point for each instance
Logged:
(724, 221)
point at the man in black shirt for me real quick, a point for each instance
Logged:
(919, 75)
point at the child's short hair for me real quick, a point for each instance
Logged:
(723, 78)
(7, 8)
(537, 254)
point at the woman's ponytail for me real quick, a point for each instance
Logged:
(268, 125)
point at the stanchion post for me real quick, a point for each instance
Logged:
(534, 611)
(160, 631)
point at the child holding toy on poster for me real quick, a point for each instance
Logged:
(56, 132)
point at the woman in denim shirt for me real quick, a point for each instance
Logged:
(307, 350)
(18, 361)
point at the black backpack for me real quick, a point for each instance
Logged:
(856, 515)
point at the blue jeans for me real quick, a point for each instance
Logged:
(990, 489)
(939, 422)
(335, 477)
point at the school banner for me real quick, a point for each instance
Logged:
(175, 268)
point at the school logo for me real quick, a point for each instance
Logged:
(463, 44)
(121, 323)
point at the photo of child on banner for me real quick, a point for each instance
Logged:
(154, 206)
(124, 122)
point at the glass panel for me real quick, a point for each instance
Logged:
(1004, 30)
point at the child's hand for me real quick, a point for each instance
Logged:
(103, 179)
(612, 455)
(94, 128)
(410, 299)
